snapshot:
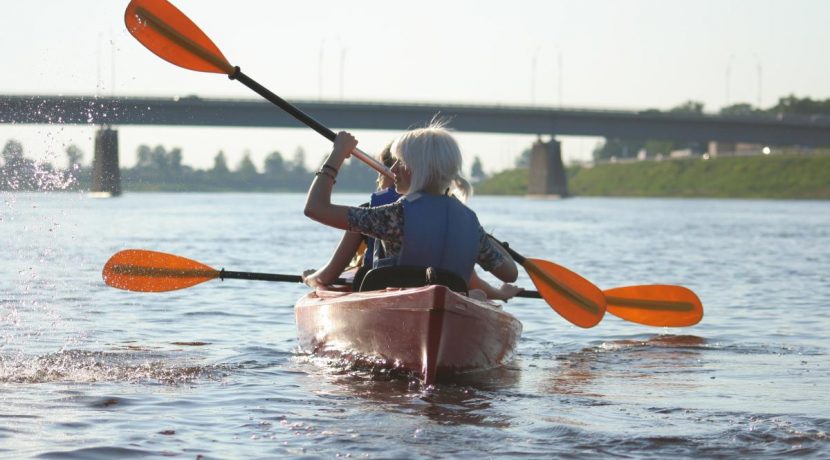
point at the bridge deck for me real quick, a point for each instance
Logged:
(194, 111)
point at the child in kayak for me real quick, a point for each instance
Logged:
(350, 242)
(429, 226)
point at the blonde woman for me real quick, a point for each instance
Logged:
(429, 225)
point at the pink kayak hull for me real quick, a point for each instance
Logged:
(430, 332)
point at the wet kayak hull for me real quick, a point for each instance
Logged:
(429, 332)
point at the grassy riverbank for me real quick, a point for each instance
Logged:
(773, 176)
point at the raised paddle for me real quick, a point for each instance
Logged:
(172, 36)
(151, 271)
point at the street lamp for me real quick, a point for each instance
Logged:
(533, 64)
(533, 61)
(728, 76)
(760, 73)
(343, 51)
(320, 70)
(559, 70)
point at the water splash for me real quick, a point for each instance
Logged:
(35, 293)
(81, 366)
(20, 174)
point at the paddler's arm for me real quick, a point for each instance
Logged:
(338, 262)
(496, 259)
(506, 271)
(318, 205)
(505, 292)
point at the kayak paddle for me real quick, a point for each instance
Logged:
(172, 36)
(659, 305)
(151, 271)
(572, 296)
(655, 305)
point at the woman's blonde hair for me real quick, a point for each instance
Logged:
(434, 160)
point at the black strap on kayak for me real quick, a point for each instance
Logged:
(411, 276)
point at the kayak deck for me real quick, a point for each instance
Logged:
(430, 332)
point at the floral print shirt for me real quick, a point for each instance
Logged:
(385, 223)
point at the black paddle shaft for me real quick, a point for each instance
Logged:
(259, 276)
(223, 274)
(282, 103)
(515, 255)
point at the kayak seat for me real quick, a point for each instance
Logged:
(410, 276)
(359, 275)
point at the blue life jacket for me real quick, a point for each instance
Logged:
(379, 198)
(440, 232)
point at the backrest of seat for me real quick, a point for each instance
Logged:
(411, 276)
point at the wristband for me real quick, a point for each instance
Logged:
(323, 172)
(333, 169)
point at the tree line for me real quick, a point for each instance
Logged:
(161, 169)
(787, 107)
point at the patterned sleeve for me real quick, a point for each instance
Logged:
(489, 257)
(381, 222)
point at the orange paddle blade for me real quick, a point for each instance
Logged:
(571, 295)
(655, 305)
(151, 271)
(171, 35)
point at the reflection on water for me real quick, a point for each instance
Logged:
(578, 372)
(463, 401)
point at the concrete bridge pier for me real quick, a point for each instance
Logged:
(106, 175)
(547, 172)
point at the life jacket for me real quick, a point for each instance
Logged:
(379, 198)
(439, 232)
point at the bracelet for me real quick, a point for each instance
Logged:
(323, 172)
(333, 169)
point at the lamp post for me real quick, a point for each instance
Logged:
(343, 51)
(533, 62)
(320, 70)
(533, 66)
(113, 51)
(729, 76)
(559, 76)
(99, 82)
(98, 67)
(760, 78)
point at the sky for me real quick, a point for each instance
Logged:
(617, 54)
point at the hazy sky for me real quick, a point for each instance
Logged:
(628, 54)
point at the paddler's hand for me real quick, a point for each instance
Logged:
(344, 145)
(315, 278)
(309, 279)
(507, 291)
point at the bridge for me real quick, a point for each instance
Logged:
(195, 111)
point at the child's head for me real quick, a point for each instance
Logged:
(385, 157)
(433, 159)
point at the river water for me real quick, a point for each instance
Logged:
(87, 371)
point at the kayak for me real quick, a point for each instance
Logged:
(431, 333)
